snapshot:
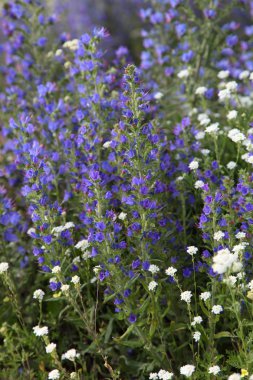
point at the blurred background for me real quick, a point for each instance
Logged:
(119, 17)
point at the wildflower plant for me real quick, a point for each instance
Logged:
(126, 197)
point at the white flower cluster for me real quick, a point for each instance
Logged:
(224, 260)
(152, 285)
(192, 250)
(193, 165)
(236, 135)
(227, 92)
(72, 44)
(54, 375)
(162, 374)
(186, 296)
(71, 355)
(82, 244)
(197, 320)
(171, 271)
(57, 230)
(50, 348)
(153, 268)
(40, 331)
(4, 267)
(187, 370)
(38, 294)
(214, 370)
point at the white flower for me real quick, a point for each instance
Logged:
(250, 285)
(231, 165)
(212, 128)
(219, 235)
(205, 296)
(187, 370)
(230, 280)
(164, 375)
(235, 376)
(239, 247)
(224, 94)
(38, 294)
(196, 336)
(31, 231)
(58, 229)
(186, 296)
(97, 269)
(54, 375)
(244, 74)
(197, 320)
(223, 261)
(75, 280)
(153, 376)
(153, 268)
(69, 225)
(237, 266)
(214, 370)
(107, 144)
(40, 331)
(192, 250)
(158, 95)
(217, 309)
(232, 86)
(73, 375)
(56, 269)
(193, 165)
(203, 118)
(199, 184)
(240, 235)
(200, 90)
(235, 135)
(152, 285)
(205, 152)
(200, 135)
(58, 52)
(183, 74)
(223, 74)
(3, 267)
(122, 216)
(70, 355)
(232, 115)
(82, 244)
(171, 271)
(50, 348)
(71, 45)
(64, 288)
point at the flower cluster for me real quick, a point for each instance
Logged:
(126, 196)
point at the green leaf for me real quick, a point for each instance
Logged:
(224, 334)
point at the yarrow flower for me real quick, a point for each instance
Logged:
(197, 320)
(38, 294)
(153, 268)
(54, 375)
(196, 336)
(214, 370)
(205, 296)
(75, 280)
(40, 331)
(3, 267)
(219, 235)
(186, 296)
(217, 309)
(171, 271)
(152, 285)
(71, 355)
(192, 250)
(50, 348)
(193, 165)
(187, 370)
